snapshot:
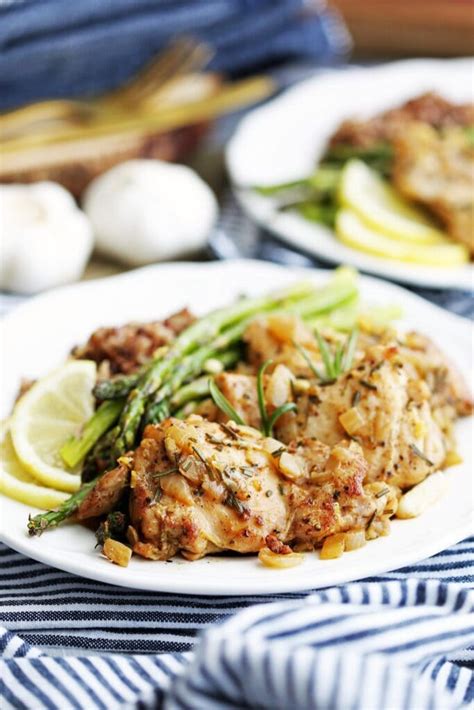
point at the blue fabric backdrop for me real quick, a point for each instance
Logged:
(53, 48)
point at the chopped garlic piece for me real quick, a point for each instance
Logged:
(276, 561)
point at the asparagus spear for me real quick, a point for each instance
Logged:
(324, 180)
(191, 367)
(340, 290)
(315, 196)
(320, 213)
(52, 518)
(117, 387)
(100, 457)
(120, 385)
(158, 412)
(187, 409)
(379, 156)
(75, 450)
(195, 390)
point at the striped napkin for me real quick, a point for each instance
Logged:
(398, 641)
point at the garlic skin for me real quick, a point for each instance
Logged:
(144, 211)
(45, 239)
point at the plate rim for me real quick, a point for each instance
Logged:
(58, 291)
(282, 585)
(285, 583)
(458, 279)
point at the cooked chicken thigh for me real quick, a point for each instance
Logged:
(200, 487)
(401, 440)
(437, 170)
(399, 401)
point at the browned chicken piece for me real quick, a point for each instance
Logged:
(106, 494)
(447, 385)
(200, 487)
(333, 498)
(400, 402)
(125, 348)
(372, 403)
(400, 438)
(437, 170)
(179, 321)
(273, 337)
(429, 108)
(220, 492)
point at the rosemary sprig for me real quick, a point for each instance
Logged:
(368, 385)
(310, 363)
(233, 434)
(371, 520)
(420, 454)
(329, 360)
(268, 422)
(233, 502)
(206, 463)
(335, 362)
(261, 394)
(162, 474)
(168, 472)
(279, 412)
(221, 401)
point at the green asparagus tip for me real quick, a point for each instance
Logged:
(39, 523)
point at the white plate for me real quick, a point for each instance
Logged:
(284, 139)
(38, 335)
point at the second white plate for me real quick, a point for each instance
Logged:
(284, 140)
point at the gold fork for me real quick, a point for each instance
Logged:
(187, 56)
(182, 56)
(228, 98)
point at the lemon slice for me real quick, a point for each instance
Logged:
(17, 483)
(352, 231)
(382, 208)
(53, 410)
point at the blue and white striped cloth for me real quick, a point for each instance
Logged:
(403, 640)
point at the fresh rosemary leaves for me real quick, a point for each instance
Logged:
(335, 361)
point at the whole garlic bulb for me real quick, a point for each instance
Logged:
(45, 239)
(148, 210)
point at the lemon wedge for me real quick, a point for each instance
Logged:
(352, 231)
(382, 208)
(16, 483)
(54, 409)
